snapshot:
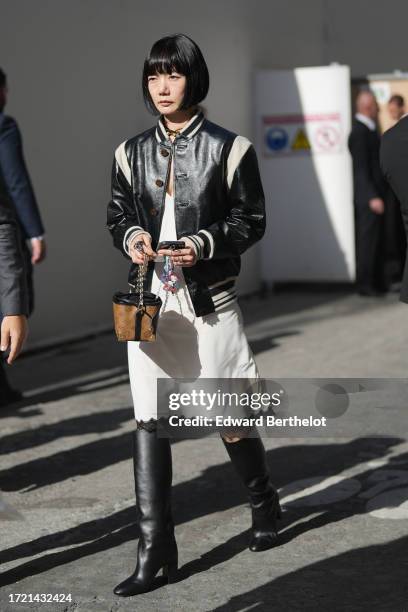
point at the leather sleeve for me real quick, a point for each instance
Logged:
(122, 216)
(245, 223)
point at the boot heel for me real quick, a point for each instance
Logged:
(170, 572)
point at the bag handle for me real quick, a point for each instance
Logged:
(142, 269)
(141, 274)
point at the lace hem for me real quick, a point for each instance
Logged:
(151, 424)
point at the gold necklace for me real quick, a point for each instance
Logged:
(172, 132)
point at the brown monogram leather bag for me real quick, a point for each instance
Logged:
(136, 313)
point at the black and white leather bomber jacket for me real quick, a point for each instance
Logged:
(218, 197)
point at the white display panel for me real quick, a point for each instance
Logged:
(303, 119)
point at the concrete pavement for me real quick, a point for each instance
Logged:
(66, 508)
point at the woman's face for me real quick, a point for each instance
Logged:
(167, 91)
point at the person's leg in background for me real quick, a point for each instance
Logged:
(29, 276)
(370, 264)
(401, 241)
(395, 240)
(382, 281)
(8, 395)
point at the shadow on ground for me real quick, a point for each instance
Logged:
(367, 578)
(200, 497)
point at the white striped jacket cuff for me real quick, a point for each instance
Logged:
(131, 234)
(202, 244)
(197, 243)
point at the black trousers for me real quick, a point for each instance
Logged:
(370, 248)
(4, 384)
(29, 276)
(396, 243)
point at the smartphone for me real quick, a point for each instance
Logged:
(171, 244)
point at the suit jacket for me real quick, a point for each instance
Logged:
(13, 289)
(15, 183)
(394, 164)
(364, 146)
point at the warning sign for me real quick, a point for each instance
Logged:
(277, 139)
(302, 134)
(301, 141)
(327, 137)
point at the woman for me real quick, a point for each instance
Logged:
(191, 180)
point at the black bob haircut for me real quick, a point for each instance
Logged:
(180, 54)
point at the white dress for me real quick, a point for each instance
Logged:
(186, 346)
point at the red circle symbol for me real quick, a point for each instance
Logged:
(327, 137)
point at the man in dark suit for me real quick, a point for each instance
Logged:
(17, 193)
(369, 193)
(394, 227)
(17, 181)
(394, 164)
(13, 296)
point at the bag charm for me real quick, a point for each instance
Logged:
(169, 278)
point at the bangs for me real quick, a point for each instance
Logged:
(166, 60)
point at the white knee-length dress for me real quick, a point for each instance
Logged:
(212, 346)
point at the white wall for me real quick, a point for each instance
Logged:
(74, 73)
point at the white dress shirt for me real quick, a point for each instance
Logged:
(370, 123)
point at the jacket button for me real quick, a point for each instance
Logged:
(164, 152)
(159, 183)
(153, 212)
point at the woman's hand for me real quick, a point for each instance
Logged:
(186, 257)
(136, 255)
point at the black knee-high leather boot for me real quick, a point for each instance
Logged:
(249, 460)
(157, 548)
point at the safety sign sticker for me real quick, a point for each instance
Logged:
(299, 134)
(301, 141)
